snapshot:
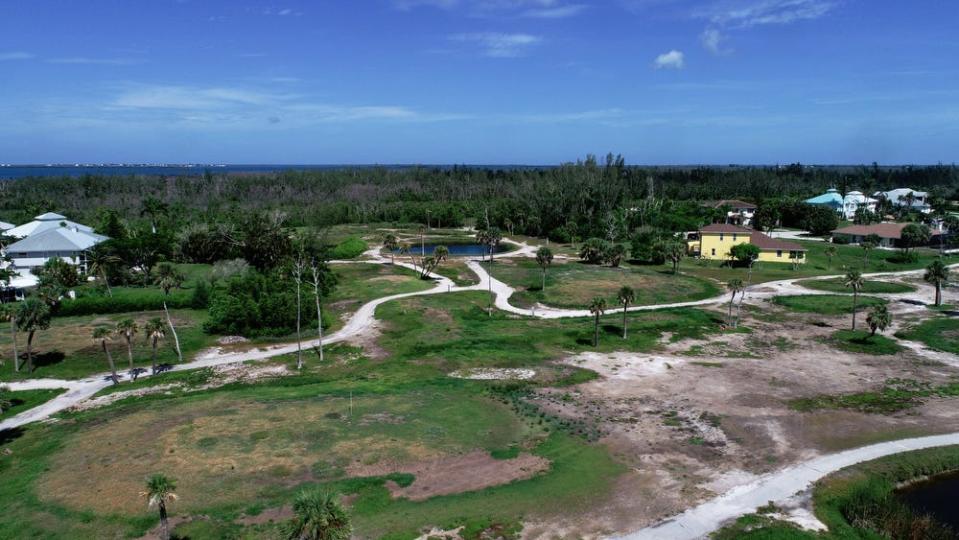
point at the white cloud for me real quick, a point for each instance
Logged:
(712, 40)
(16, 55)
(670, 60)
(555, 12)
(541, 9)
(748, 13)
(500, 45)
(285, 12)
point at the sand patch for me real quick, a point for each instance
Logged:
(494, 374)
(455, 474)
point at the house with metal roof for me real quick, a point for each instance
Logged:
(4, 227)
(916, 200)
(48, 236)
(830, 199)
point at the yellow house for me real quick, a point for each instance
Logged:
(716, 240)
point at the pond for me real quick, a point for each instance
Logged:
(936, 496)
(457, 250)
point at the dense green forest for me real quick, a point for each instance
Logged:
(589, 198)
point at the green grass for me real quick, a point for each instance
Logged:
(827, 304)
(22, 400)
(895, 395)
(869, 286)
(574, 284)
(67, 351)
(941, 334)
(817, 264)
(864, 343)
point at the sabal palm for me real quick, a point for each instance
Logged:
(318, 515)
(155, 330)
(854, 281)
(937, 275)
(830, 252)
(544, 258)
(102, 335)
(128, 329)
(160, 490)
(597, 308)
(626, 296)
(98, 261)
(391, 243)
(32, 315)
(878, 319)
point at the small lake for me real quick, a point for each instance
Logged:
(457, 250)
(936, 496)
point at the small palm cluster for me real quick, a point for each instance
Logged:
(127, 329)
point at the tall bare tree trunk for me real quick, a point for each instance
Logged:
(319, 311)
(176, 340)
(855, 300)
(299, 346)
(16, 353)
(113, 366)
(625, 308)
(596, 331)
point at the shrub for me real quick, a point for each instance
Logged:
(350, 248)
(841, 240)
(138, 300)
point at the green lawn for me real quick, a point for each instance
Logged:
(360, 283)
(869, 286)
(67, 351)
(817, 264)
(574, 284)
(22, 400)
(827, 304)
(941, 334)
(241, 449)
(862, 342)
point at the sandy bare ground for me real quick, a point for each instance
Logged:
(455, 474)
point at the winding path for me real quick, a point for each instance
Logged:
(696, 522)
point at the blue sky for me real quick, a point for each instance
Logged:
(479, 81)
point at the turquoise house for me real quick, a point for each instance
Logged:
(831, 199)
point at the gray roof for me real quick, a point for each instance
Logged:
(56, 239)
(45, 222)
(4, 225)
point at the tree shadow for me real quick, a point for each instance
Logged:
(10, 435)
(48, 359)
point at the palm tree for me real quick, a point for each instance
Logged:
(937, 275)
(32, 314)
(297, 272)
(406, 248)
(155, 331)
(867, 246)
(626, 297)
(102, 335)
(830, 252)
(391, 244)
(98, 260)
(878, 319)
(318, 515)
(597, 308)
(544, 258)
(854, 280)
(734, 286)
(168, 278)
(490, 237)
(127, 329)
(160, 490)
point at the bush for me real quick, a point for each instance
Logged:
(350, 248)
(201, 296)
(841, 240)
(820, 220)
(904, 258)
(137, 300)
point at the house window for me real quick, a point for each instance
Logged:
(714, 252)
(792, 254)
(721, 235)
(800, 255)
(734, 237)
(779, 253)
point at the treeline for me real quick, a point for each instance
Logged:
(576, 200)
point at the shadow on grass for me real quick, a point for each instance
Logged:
(10, 435)
(48, 359)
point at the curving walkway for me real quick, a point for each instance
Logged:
(701, 520)
(694, 523)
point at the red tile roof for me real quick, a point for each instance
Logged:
(884, 230)
(725, 228)
(735, 203)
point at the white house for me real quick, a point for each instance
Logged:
(854, 200)
(47, 236)
(900, 197)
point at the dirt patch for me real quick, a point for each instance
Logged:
(455, 474)
(103, 401)
(494, 374)
(154, 533)
(231, 340)
(390, 279)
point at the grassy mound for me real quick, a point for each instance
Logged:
(826, 304)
